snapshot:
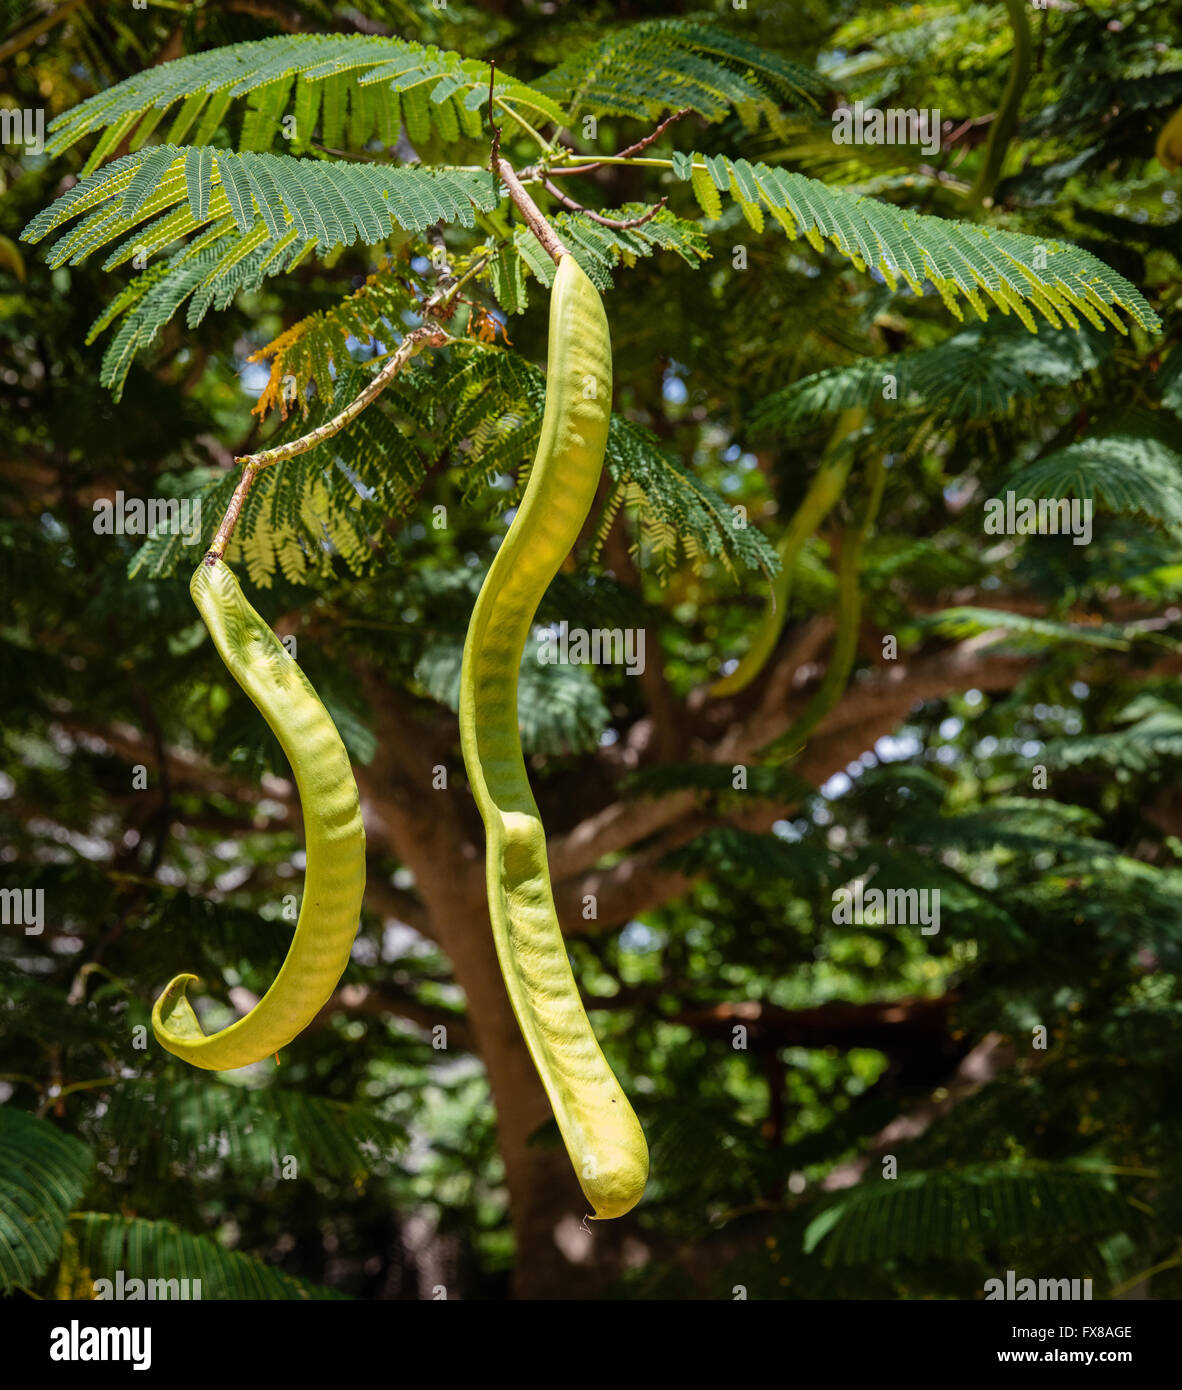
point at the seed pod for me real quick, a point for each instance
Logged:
(334, 881)
(600, 1130)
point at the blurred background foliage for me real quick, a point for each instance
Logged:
(776, 1058)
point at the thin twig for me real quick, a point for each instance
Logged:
(632, 149)
(444, 279)
(428, 335)
(535, 135)
(942, 176)
(439, 306)
(657, 133)
(230, 520)
(503, 172)
(494, 158)
(598, 216)
(37, 28)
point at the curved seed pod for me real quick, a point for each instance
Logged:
(1005, 122)
(827, 486)
(849, 618)
(334, 881)
(1169, 143)
(601, 1133)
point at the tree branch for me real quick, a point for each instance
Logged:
(642, 144)
(891, 1026)
(33, 31)
(599, 217)
(549, 239)
(870, 709)
(382, 1001)
(427, 335)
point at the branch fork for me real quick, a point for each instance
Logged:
(441, 305)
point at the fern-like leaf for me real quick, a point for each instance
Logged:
(946, 1214)
(329, 83)
(328, 203)
(649, 68)
(1017, 272)
(958, 624)
(596, 248)
(978, 372)
(1121, 473)
(43, 1174)
(103, 1244)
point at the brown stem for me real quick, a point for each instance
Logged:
(598, 217)
(632, 149)
(427, 335)
(503, 170)
(230, 520)
(537, 224)
(494, 158)
(442, 304)
(444, 279)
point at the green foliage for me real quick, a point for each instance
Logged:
(481, 408)
(43, 1174)
(1059, 894)
(101, 1244)
(1151, 739)
(211, 1127)
(263, 213)
(979, 263)
(330, 204)
(1117, 473)
(981, 371)
(340, 86)
(680, 513)
(560, 709)
(643, 69)
(1022, 630)
(597, 249)
(920, 1215)
(770, 783)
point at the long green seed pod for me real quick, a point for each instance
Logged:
(1169, 143)
(334, 882)
(849, 619)
(1005, 122)
(601, 1133)
(826, 487)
